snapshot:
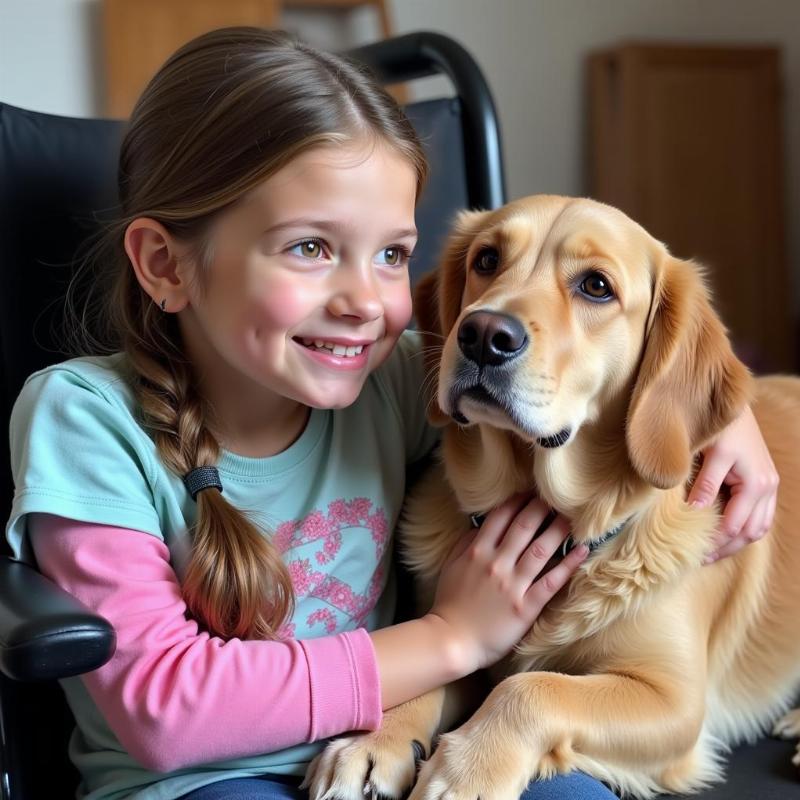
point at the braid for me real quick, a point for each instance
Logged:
(236, 582)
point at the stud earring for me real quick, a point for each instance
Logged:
(164, 304)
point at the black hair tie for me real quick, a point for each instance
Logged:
(201, 478)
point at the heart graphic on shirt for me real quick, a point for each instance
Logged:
(326, 529)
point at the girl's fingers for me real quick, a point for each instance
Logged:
(737, 511)
(733, 546)
(708, 481)
(756, 525)
(497, 522)
(754, 528)
(533, 560)
(771, 509)
(543, 590)
(520, 532)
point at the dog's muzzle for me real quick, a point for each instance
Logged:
(488, 341)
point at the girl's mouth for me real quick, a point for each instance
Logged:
(340, 350)
(334, 355)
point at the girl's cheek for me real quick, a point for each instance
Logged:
(398, 311)
(282, 304)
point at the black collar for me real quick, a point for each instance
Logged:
(593, 544)
(569, 543)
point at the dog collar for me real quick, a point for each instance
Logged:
(477, 519)
(592, 544)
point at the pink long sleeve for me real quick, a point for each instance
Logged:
(175, 696)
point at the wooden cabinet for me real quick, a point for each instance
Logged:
(139, 35)
(687, 141)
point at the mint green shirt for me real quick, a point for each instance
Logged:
(331, 502)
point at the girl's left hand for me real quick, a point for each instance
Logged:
(738, 458)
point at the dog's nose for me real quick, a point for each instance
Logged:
(487, 337)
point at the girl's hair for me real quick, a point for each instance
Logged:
(225, 112)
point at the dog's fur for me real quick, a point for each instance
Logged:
(649, 664)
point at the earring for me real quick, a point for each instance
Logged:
(164, 304)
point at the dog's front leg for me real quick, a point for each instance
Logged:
(382, 762)
(631, 731)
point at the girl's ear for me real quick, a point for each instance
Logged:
(153, 253)
(690, 384)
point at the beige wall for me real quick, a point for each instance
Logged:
(532, 52)
(533, 56)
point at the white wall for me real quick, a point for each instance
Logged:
(532, 52)
(533, 55)
(49, 55)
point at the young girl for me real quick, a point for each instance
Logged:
(224, 486)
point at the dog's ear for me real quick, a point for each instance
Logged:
(690, 384)
(437, 303)
(426, 311)
(453, 265)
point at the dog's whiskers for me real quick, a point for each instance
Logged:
(430, 379)
(423, 351)
(432, 333)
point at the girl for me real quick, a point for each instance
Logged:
(261, 382)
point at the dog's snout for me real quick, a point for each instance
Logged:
(489, 338)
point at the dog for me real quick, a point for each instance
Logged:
(571, 354)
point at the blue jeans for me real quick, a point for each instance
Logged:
(575, 786)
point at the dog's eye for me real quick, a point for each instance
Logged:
(486, 261)
(596, 287)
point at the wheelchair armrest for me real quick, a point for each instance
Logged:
(45, 633)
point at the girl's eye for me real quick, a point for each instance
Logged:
(394, 256)
(311, 248)
(595, 286)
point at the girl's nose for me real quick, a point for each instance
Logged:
(356, 295)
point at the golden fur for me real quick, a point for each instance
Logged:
(648, 664)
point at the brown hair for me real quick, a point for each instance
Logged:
(225, 112)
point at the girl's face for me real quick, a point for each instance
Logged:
(308, 289)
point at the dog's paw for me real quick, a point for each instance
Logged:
(461, 768)
(788, 726)
(372, 765)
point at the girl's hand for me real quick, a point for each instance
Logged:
(491, 590)
(738, 458)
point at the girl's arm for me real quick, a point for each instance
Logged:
(739, 458)
(175, 696)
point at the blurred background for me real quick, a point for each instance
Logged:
(684, 113)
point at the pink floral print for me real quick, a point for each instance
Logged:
(344, 517)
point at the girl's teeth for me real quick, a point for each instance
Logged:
(336, 349)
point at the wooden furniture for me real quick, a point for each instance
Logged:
(139, 35)
(687, 141)
(384, 22)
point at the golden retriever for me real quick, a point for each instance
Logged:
(572, 355)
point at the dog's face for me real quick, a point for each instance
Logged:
(550, 319)
(560, 315)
